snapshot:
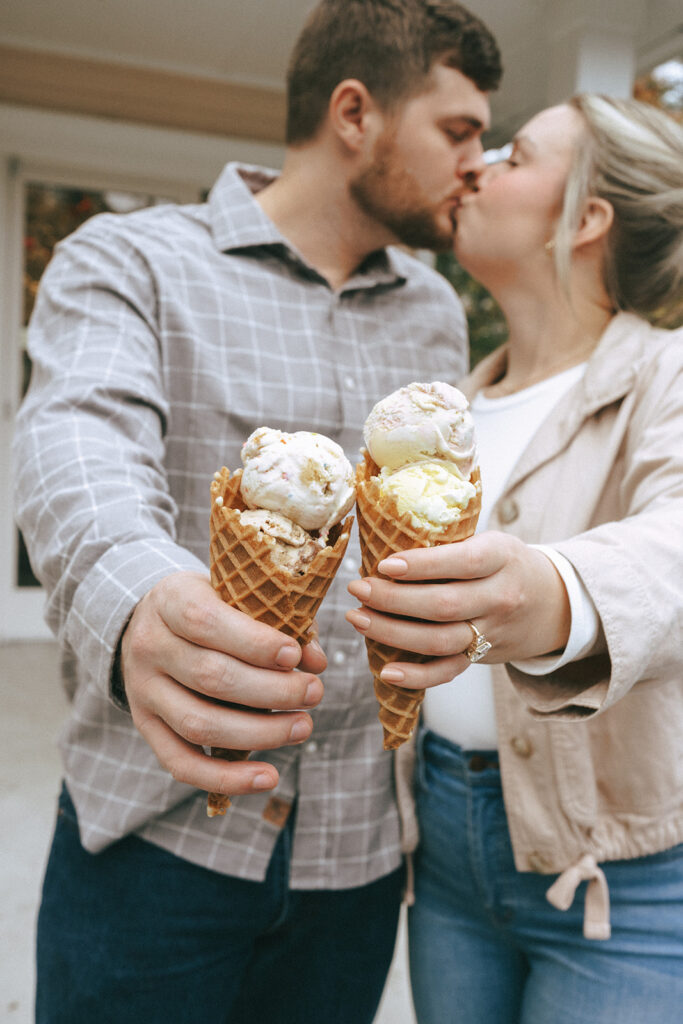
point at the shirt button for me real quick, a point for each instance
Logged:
(349, 383)
(508, 510)
(537, 862)
(339, 657)
(521, 746)
(311, 747)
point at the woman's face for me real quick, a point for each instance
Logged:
(503, 228)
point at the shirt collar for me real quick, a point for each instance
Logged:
(238, 222)
(610, 374)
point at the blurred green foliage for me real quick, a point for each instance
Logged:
(487, 325)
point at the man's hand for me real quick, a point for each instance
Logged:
(512, 592)
(183, 650)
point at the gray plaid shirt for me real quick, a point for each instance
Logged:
(160, 340)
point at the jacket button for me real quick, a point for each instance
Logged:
(521, 746)
(537, 862)
(508, 510)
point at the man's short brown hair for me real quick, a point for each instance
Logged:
(390, 46)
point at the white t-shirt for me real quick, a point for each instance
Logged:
(463, 710)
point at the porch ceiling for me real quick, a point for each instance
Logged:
(248, 41)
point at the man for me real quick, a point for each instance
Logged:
(160, 341)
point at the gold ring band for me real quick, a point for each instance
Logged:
(479, 646)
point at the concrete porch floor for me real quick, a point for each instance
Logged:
(33, 707)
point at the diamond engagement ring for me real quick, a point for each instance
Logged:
(479, 646)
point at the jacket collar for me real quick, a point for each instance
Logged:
(238, 223)
(612, 371)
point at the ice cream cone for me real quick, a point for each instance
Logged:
(383, 532)
(245, 576)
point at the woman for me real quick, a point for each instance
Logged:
(558, 760)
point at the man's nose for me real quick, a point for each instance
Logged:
(472, 164)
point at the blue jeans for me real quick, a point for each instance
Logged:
(136, 935)
(485, 945)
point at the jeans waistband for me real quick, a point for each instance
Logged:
(473, 766)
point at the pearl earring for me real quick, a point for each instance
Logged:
(549, 246)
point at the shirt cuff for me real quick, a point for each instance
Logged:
(107, 597)
(585, 621)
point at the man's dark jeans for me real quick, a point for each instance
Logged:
(136, 935)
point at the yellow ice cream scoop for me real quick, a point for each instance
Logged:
(433, 493)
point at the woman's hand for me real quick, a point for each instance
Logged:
(511, 592)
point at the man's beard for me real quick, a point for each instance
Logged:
(390, 195)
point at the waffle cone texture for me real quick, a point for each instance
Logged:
(244, 575)
(383, 532)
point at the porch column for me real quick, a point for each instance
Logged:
(592, 47)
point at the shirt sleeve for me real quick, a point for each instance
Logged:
(585, 622)
(92, 495)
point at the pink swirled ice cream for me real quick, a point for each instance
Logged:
(303, 476)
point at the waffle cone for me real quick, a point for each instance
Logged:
(383, 532)
(244, 575)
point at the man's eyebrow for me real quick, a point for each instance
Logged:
(465, 119)
(468, 119)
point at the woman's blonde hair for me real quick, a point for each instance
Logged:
(632, 156)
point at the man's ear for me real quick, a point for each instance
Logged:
(352, 112)
(596, 221)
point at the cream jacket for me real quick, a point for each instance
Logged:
(592, 755)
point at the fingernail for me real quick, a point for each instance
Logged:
(313, 694)
(315, 646)
(358, 619)
(393, 566)
(288, 656)
(392, 675)
(262, 781)
(300, 731)
(360, 590)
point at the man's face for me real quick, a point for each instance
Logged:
(413, 182)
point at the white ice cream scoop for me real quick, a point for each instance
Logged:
(304, 476)
(422, 422)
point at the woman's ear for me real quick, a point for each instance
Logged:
(351, 113)
(596, 221)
